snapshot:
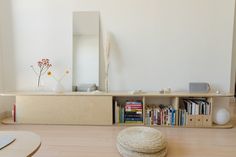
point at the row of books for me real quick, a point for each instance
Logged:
(132, 112)
(129, 112)
(197, 106)
(160, 115)
(167, 115)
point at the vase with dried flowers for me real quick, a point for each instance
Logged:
(59, 87)
(43, 66)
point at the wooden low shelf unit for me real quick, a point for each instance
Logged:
(192, 121)
(76, 108)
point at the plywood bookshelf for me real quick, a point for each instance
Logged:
(95, 108)
(175, 101)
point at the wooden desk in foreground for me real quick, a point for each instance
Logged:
(25, 145)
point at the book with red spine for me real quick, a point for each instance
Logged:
(130, 107)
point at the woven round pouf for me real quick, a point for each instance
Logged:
(141, 142)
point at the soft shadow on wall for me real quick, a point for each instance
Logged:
(117, 65)
(7, 66)
(7, 46)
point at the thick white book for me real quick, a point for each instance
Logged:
(197, 109)
(193, 108)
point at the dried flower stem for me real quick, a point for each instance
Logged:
(106, 45)
(43, 65)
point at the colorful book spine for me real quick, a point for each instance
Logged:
(173, 117)
(133, 112)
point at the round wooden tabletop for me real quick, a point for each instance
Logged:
(25, 144)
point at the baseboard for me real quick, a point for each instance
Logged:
(4, 115)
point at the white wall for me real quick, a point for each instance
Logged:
(5, 102)
(1, 56)
(233, 63)
(156, 43)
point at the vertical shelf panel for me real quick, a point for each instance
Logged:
(144, 110)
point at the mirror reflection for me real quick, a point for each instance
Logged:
(85, 51)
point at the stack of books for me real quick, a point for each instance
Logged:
(129, 112)
(133, 112)
(161, 115)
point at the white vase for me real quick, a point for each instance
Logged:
(58, 87)
(40, 87)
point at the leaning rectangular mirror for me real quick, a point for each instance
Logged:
(85, 50)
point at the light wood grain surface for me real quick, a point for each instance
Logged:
(76, 109)
(87, 110)
(120, 93)
(99, 141)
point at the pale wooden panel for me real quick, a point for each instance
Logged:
(100, 93)
(88, 110)
(9, 121)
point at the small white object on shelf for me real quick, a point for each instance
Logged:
(221, 116)
(217, 92)
(97, 92)
(90, 87)
(165, 91)
(136, 92)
